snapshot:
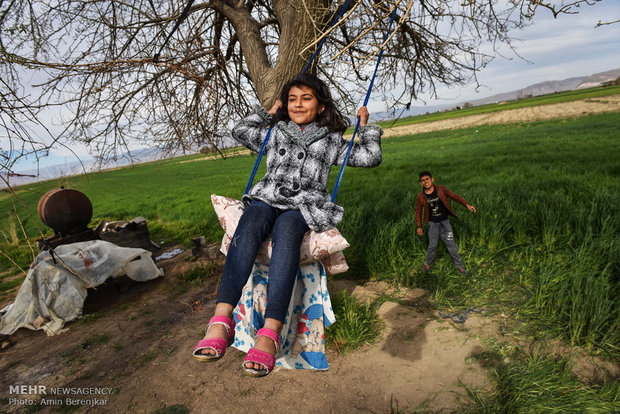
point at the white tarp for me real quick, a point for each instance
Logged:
(54, 293)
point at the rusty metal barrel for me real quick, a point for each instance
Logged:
(66, 211)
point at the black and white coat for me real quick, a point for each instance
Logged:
(299, 161)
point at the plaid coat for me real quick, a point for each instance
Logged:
(299, 162)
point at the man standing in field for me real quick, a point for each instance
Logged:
(433, 199)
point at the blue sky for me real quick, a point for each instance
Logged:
(556, 49)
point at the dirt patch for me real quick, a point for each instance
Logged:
(136, 339)
(535, 113)
(7, 295)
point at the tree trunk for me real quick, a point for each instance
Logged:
(297, 30)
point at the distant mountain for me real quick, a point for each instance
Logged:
(548, 87)
(87, 165)
(542, 88)
(599, 78)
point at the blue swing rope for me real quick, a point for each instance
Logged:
(264, 144)
(372, 81)
(340, 173)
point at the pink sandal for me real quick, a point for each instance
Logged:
(262, 357)
(217, 344)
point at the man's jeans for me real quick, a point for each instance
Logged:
(287, 228)
(443, 230)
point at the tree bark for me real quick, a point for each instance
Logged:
(297, 31)
(248, 33)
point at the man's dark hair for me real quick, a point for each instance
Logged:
(425, 174)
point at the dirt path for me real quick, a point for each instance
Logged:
(535, 113)
(136, 339)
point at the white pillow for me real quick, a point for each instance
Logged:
(325, 246)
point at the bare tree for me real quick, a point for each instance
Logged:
(92, 63)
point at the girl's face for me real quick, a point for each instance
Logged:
(303, 107)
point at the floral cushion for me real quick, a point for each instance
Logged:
(326, 246)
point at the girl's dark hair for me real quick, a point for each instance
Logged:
(330, 117)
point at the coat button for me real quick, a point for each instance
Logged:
(300, 155)
(282, 151)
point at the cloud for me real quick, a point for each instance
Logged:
(553, 49)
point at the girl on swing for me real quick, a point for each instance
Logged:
(291, 198)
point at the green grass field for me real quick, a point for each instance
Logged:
(543, 248)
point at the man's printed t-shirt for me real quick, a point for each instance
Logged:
(437, 210)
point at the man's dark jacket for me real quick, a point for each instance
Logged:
(421, 202)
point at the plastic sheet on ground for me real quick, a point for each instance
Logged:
(55, 288)
(169, 255)
(460, 317)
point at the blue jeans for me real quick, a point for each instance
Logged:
(287, 228)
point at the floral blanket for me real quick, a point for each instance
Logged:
(309, 313)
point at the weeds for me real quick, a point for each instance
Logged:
(145, 358)
(157, 327)
(9, 232)
(356, 325)
(193, 278)
(4, 286)
(533, 383)
(72, 358)
(246, 392)
(97, 340)
(76, 356)
(91, 317)
(197, 275)
(14, 258)
(173, 409)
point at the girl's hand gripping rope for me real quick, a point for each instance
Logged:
(275, 108)
(363, 115)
